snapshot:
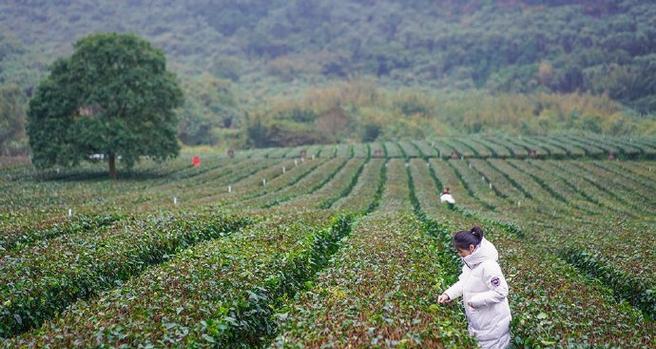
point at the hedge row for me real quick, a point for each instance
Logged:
(77, 224)
(551, 302)
(380, 292)
(218, 294)
(37, 282)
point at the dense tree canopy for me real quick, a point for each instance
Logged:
(113, 97)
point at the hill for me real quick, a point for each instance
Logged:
(249, 67)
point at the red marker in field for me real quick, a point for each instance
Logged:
(195, 161)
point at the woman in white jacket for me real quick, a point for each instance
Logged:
(483, 289)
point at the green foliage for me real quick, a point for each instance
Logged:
(365, 195)
(276, 48)
(12, 121)
(640, 293)
(23, 237)
(371, 132)
(543, 286)
(8, 47)
(380, 188)
(219, 293)
(125, 250)
(382, 114)
(379, 289)
(328, 202)
(200, 278)
(226, 67)
(281, 132)
(113, 96)
(629, 83)
(212, 110)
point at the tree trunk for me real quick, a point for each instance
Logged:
(112, 166)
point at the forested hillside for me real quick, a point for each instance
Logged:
(274, 72)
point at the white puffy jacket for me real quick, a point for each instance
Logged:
(482, 285)
(447, 198)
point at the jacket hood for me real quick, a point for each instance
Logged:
(484, 251)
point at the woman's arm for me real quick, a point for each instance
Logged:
(496, 284)
(454, 291)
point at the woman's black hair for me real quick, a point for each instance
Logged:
(463, 239)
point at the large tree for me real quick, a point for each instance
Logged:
(113, 96)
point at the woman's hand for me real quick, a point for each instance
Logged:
(443, 298)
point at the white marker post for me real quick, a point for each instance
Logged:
(175, 200)
(263, 181)
(229, 189)
(70, 212)
(490, 185)
(284, 169)
(295, 162)
(483, 178)
(519, 204)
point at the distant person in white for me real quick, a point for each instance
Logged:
(483, 289)
(447, 197)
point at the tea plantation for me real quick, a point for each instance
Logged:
(332, 246)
